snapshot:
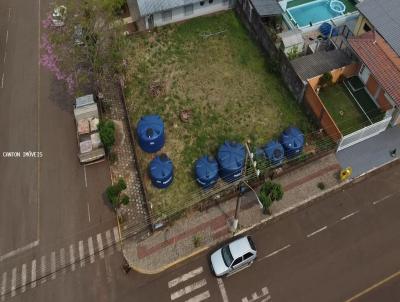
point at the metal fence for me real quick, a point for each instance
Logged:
(363, 134)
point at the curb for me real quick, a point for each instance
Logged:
(167, 266)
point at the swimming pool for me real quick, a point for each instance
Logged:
(313, 12)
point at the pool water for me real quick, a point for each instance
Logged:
(314, 12)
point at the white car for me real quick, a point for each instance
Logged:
(58, 16)
(234, 256)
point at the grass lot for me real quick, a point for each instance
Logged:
(344, 111)
(350, 4)
(222, 80)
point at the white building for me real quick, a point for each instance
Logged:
(147, 14)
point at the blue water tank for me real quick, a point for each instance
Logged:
(161, 171)
(292, 140)
(231, 157)
(150, 132)
(274, 152)
(206, 170)
(327, 30)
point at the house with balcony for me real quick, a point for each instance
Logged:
(148, 14)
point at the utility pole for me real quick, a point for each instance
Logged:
(250, 155)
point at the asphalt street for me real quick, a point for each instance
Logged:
(49, 203)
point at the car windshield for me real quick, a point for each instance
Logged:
(226, 255)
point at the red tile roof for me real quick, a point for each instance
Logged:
(381, 60)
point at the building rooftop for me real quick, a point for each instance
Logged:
(148, 7)
(381, 60)
(267, 8)
(320, 62)
(384, 15)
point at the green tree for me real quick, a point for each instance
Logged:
(269, 193)
(107, 133)
(115, 195)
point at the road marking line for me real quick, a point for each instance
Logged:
(88, 210)
(91, 249)
(372, 287)
(3, 286)
(2, 81)
(62, 260)
(117, 239)
(382, 199)
(185, 277)
(265, 291)
(9, 13)
(72, 257)
(5, 56)
(33, 274)
(348, 216)
(276, 252)
(317, 231)
(19, 250)
(188, 289)
(81, 253)
(109, 242)
(222, 290)
(6, 36)
(13, 281)
(84, 173)
(100, 245)
(43, 269)
(254, 296)
(23, 277)
(53, 265)
(201, 297)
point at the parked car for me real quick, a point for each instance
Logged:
(58, 16)
(234, 256)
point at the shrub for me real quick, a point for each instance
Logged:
(107, 133)
(197, 240)
(112, 157)
(114, 195)
(321, 186)
(269, 193)
(325, 79)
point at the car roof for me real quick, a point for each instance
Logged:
(239, 247)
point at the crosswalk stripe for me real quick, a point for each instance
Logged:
(23, 278)
(100, 245)
(72, 257)
(43, 268)
(116, 236)
(91, 249)
(3, 286)
(62, 260)
(185, 277)
(13, 281)
(33, 274)
(81, 254)
(53, 265)
(201, 297)
(188, 289)
(109, 242)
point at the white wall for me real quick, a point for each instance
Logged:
(178, 14)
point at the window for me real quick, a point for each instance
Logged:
(366, 27)
(167, 15)
(188, 9)
(247, 256)
(201, 3)
(237, 261)
(226, 255)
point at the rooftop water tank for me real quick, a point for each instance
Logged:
(327, 30)
(292, 140)
(161, 171)
(150, 132)
(206, 170)
(274, 152)
(231, 158)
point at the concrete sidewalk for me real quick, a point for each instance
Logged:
(176, 243)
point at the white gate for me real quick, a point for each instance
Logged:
(363, 134)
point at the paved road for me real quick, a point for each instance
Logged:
(339, 247)
(52, 203)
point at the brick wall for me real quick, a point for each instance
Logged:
(372, 85)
